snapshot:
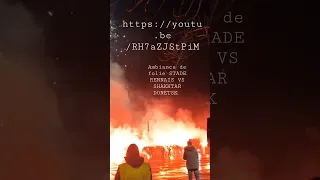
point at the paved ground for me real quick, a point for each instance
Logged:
(175, 169)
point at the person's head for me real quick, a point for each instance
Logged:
(189, 143)
(132, 150)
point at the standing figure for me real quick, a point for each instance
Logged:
(134, 168)
(192, 160)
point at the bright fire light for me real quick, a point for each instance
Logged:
(154, 127)
(168, 132)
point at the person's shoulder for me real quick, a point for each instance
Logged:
(146, 165)
(122, 164)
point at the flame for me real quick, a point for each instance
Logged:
(153, 127)
(163, 131)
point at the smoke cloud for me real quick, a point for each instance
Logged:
(157, 114)
(146, 120)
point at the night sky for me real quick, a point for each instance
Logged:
(272, 96)
(275, 82)
(267, 107)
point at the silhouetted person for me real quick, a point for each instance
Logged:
(192, 160)
(134, 167)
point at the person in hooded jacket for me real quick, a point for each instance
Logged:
(192, 160)
(134, 168)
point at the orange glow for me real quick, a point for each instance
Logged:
(167, 132)
(153, 126)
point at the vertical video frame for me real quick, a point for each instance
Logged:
(158, 109)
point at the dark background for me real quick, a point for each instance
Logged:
(72, 143)
(267, 107)
(271, 99)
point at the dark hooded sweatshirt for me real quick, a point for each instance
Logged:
(133, 161)
(191, 156)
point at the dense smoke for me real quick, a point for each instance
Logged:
(157, 113)
(133, 109)
(146, 120)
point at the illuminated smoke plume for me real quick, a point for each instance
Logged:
(154, 125)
